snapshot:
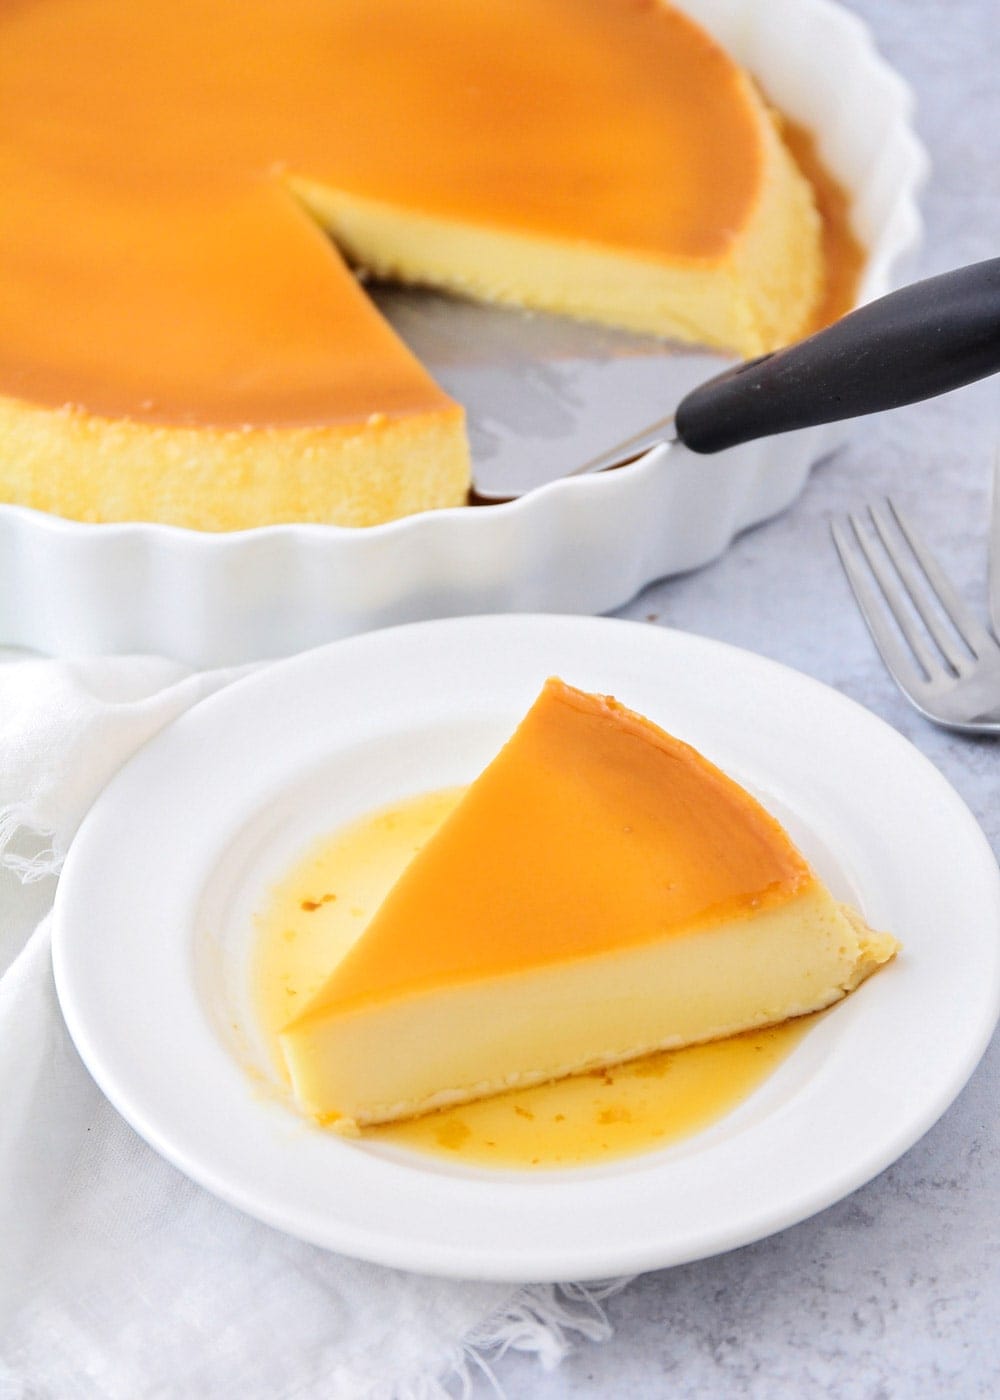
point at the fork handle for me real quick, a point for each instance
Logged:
(912, 344)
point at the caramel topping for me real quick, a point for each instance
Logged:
(843, 254)
(156, 264)
(592, 830)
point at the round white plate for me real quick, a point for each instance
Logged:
(153, 930)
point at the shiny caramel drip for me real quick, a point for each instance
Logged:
(843, 253)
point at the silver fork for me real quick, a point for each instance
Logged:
(949, 669)
(994, 576)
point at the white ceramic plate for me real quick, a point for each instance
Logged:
(212, 599)
(153, 931)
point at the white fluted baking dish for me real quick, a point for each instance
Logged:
(584, 545)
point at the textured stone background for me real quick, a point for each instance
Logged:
(894, 1294)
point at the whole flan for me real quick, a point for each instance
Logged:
(187, 188)
(601, 891)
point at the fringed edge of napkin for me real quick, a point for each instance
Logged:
(541, 1320)
(16, 820)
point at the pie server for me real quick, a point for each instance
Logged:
(547, 397)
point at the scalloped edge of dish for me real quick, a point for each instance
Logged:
(68, 587)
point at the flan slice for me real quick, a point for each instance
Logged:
(601, 891)
(181, 342)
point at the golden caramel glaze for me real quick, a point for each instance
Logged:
(591, 831)
(156, 265)
(842, 250)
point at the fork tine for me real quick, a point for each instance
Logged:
(893, 599)
(968, 626)
(995, 548)
(903, 555)
(897, 660)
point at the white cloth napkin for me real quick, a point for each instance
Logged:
(119, 1278)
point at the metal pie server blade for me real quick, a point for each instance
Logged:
(542, 394)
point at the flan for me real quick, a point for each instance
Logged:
(187, 188)
(601, 891)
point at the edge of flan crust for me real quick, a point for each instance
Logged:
(80, 466)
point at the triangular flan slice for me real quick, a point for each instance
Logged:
(600, 891)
